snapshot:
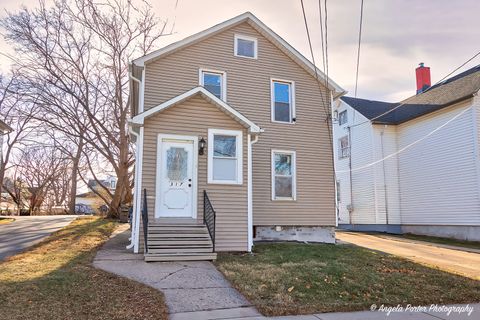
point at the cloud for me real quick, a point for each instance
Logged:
(397, 35)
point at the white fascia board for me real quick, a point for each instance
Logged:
(140, 118)
(191, 39)
(304, 62)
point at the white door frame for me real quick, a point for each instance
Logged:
(159, 166)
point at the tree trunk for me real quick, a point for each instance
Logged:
(73, 182)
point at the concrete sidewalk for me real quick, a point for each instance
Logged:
(188, 286)
(198, 291)
(454, 261)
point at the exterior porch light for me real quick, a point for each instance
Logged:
(201, 146)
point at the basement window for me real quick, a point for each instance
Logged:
(245, 46)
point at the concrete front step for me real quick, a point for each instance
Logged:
(150, 257)
(181, 250)
(178, 235)
(179, 242)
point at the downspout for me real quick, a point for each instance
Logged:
(350, 175)
(138, 166)
(250, 143)
(384, 174)
(134, 212)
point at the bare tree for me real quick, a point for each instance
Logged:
(40, 168)
(79, 50)
(19, 116)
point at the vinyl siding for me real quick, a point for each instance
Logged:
(362, 180)
(194, 117)
(248, 91)
(439, 181)
(368, 179)
(387, 200)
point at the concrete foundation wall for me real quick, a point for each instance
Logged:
(288, 233)
(471, 233)
(388, 228)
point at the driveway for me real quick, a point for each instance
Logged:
(447, 259)
(27, 231)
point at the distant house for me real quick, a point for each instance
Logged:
(412, 168)
(90, 202)
(99, 185)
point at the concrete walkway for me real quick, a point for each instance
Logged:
(451, 260)
(196, 290)
(188, 286)
(26, 231)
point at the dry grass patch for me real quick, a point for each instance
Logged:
(6, 220)
(55, 280)
(292, 278)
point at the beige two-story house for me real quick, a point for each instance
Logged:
(232, 144)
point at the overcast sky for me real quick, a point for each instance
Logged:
(397, 35)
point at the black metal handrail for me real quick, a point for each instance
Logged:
(209, 217)
(145, 219)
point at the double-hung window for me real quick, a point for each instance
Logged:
(343, 147)
(215, 82)
(224, 156)
(283, 175)
(245, 46)
(342, 117)
(283, 100)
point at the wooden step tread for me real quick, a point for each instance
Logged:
(150, 257)
(178, 235)
(181, 250)
(175, 246)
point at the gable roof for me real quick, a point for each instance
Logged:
(207, 95)
(258, 25)
(441, 95)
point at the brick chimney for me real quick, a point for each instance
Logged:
(423, 78)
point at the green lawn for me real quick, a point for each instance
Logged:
(293, 278)
(55, 280)
(439, 240)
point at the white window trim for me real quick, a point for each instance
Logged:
(294, 175)
(248, 38)
(239, 150)
(201, 71)
(340, 149)
(339, 117)
(292, 100)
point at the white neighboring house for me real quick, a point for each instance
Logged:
(429, 180)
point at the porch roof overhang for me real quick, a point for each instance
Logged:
(208, 96)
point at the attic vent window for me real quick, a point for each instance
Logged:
(245, 46)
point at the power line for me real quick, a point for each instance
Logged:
(407, 146)
(326, 42)
(325, 100)
(404, 103)
(359, 42)
(321, 32)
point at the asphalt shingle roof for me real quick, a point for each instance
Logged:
(448, 92)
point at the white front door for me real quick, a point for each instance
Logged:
(176, 177)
